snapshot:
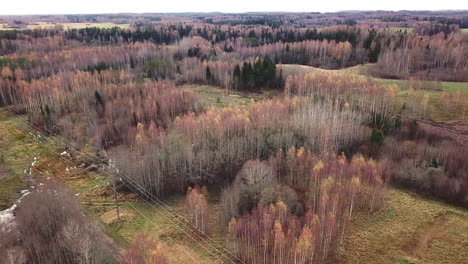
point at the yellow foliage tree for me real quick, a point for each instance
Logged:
(6, 73)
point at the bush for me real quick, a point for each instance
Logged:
(51, 228)
(429, 161)
(144, 249)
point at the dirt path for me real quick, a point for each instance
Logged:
(409, 228)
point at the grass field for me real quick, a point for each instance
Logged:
(47, 25)
(214, 96)
(219, 97)
(409, 228)
(17, 151)
(296, 69)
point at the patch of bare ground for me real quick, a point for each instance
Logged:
(111, 215)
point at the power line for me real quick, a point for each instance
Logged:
(177, 217)
(139, 189)
(97, 217)
(44, 172)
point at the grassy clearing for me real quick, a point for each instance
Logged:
(17, 151)
(446, 86)
(436, 109)
(409, 229)
(402, 29)
(296, 69)
(10, 186)
(219, 97)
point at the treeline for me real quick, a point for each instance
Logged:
(40, 64)
(154, 105)
(158, 35)
(262, 73)
(436, 57)
(461, 22)
(398, 55)
(66, 102)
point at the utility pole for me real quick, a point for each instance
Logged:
(115, 191)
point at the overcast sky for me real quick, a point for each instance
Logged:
(18, 7)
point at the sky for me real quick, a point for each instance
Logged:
(22, 7)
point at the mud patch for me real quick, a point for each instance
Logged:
(424, 236)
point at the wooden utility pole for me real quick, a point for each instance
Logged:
(115, 191)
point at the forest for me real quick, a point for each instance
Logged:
(268, 136)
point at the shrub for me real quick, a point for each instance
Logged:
(51, 228)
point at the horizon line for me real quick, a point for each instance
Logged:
(246, 12)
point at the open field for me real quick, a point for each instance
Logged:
(409, 228)
(296, 69)
(47, 25)
(218, 97)
(214, 96)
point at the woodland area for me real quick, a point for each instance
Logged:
(289, 169)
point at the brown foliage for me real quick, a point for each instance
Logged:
(429, 161)
(49, 227)
(197, 209)
(275, 232)
(144, 250)
(439, 57)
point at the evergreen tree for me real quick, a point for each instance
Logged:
(208, 75)
(236, 76)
